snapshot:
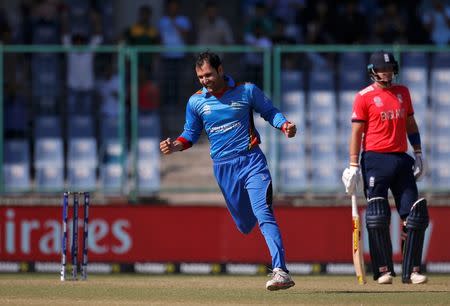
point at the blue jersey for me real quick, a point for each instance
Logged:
(228, 120)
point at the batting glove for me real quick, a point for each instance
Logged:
(350, 178)
(418, 165)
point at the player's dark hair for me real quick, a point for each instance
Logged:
(209, 57)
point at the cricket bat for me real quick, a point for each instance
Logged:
(358, 259)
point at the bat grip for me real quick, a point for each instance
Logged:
(354, 206)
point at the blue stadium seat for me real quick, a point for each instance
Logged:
(440, 125)
(325, 178)
(292, 80)
(440, 78)
(82, 178)
(111, 170)
(352, 79)
(111, 178)
(440, 60)
(46, 75)
(352, 72)
(79, 16)
(79, 126)
(440, 176)
(149, 125)
(345, 102)
(16, 151)
(414, 75)
(45, 33)
(352, 61)
(82, 152)
(48, 153)
(292, 176)
(293, 149)
(414, 59)
(47, 127)
(148, 166)
(292, 171)
(322, 113)
(293, 101)
(16, 177)
(324, 171)
(322, 99)
(109, 128)
(321, 80)
(440, 149)
(343, 143)
(323, 123)
(49, 179)
(16, 163)
(82, 164)
(440, 97)
(106, 9)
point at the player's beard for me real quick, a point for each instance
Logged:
(386, 80)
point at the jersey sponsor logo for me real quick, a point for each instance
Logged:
(400, 98)
(224, 128)
(377, 101)
(392, 114)
(371, 181)
(366, 90)
(206, 110)
(237, 104)
(354, 115)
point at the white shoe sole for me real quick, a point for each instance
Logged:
(418, 282)
(385, 280)
(280, 286)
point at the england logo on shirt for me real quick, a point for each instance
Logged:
(377, 101)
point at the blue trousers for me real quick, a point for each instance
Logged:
(384, 171)
(246, 185)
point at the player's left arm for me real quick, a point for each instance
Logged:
(264, 106)
(414, 139)
(412, 129)
(413, 133)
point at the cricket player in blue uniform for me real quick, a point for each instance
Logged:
(225, 110)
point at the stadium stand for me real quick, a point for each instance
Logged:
(16, 163)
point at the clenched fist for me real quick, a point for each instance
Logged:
(289, 129)
(166, 146)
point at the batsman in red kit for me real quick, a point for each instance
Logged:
(382, 121)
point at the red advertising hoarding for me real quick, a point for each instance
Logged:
(198, 234)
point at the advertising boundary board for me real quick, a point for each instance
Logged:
(171, 239)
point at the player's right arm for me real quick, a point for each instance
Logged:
(351, 175)
(355, 142)
(192, 130)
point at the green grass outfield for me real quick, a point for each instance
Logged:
(126, 289)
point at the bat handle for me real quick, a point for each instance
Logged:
(354, 205)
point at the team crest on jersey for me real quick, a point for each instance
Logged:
(377, 101)
(206, 110)
(400, 98)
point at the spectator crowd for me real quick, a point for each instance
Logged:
(261, 23)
